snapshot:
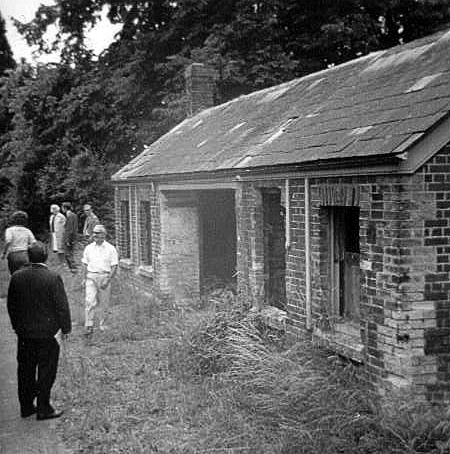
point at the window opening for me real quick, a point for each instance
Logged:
(274, 248)
(146, 233)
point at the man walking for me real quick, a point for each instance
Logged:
(100, 260)
(38, 309)
(70, 235)
(90, 222)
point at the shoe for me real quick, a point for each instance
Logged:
(28, 412)
(50, 415)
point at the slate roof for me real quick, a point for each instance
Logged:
(377, 105)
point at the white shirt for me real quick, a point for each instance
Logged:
(100, 258)
(19, 238)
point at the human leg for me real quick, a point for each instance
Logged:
(61, 257)
(104, 300)
(90, 301)
(69, 256)
(47, 355)
(26, 375)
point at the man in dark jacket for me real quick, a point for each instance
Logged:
(70, 235)
(38, 309)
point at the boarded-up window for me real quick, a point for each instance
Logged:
(343, 237)
(145, 233)
(125, 239)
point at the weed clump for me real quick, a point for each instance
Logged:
(201, 350)
(302, 399)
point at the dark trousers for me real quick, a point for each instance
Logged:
(37, 364)
(69, 253)
(16, 260)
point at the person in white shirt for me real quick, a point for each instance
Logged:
(100, 260)
(17, 241)
(57, 225)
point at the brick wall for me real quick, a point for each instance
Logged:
(132, 269)
(250, 239)
(430, 312)
(200, 87)
(403, 336)
(179, 272)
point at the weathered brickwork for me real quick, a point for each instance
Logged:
(138, 274)
(402, 333)
(179, 272)
(433, 312)
(250, 239)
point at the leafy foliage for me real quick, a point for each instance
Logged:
(102, 110)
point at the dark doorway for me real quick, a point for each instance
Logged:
(274, 248)
(345, 267)
(217, 236)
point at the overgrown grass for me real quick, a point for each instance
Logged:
(210, 378)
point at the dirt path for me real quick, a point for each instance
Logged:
(17, 435)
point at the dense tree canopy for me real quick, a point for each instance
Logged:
(75, 122)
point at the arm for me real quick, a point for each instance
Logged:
(8, 241)
(12, 303)
(62, 306)
(112, 273)
(5, 249)
(83, 272)
(31, 238)
(84, 265)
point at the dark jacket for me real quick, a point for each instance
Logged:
(37, 303)
(70, 228)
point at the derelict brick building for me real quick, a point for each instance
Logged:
(328, 195)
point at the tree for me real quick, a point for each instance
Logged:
(98, 113)
(6, 56)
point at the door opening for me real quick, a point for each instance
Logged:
(217, 237)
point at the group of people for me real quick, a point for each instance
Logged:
(37, 302)
(64, 231)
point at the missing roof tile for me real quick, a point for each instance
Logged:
(280, 131)
(359, 131)
(397, 58)
(422, 83)
(315, 83)
(243, 162)
(239, 125)
(198, 123)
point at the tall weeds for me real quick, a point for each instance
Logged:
(304, 400)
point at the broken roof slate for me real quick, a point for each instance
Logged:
(379, 104)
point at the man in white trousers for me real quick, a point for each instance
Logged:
(100, 260)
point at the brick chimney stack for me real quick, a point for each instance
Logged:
(200, 87)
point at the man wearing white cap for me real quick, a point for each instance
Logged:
(100, 260)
